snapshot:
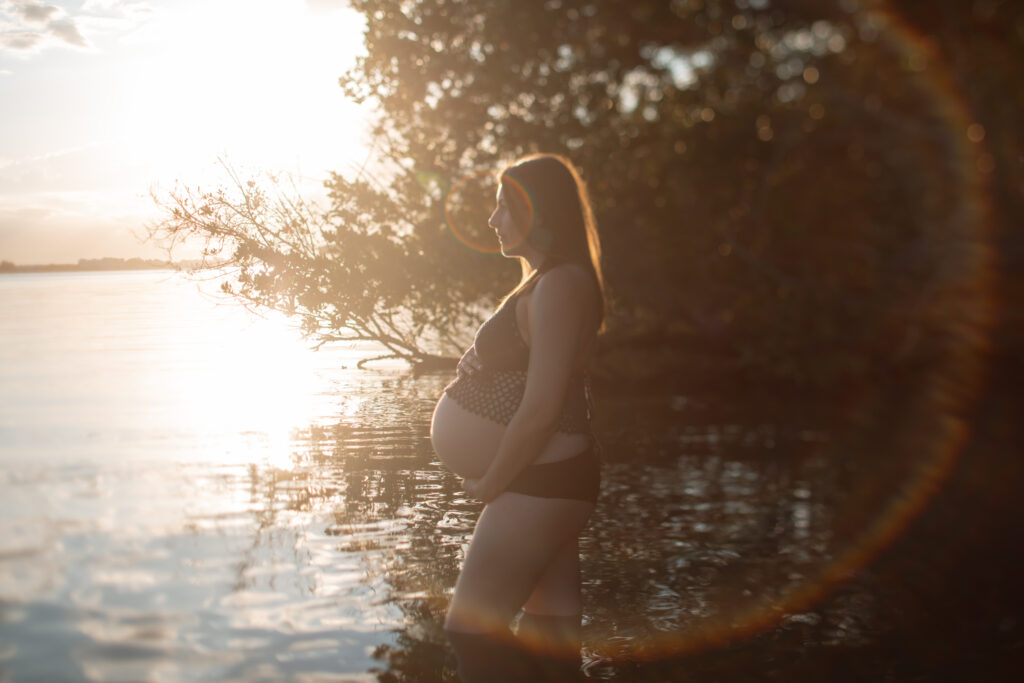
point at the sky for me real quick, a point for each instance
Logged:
(103, 102)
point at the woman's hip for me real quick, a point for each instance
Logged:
(577, 477)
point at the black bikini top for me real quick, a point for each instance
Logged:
(496, 390)
(499, 343)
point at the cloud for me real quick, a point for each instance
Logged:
(21, 40)
(66, 30)
(115, 8)
(35, 13)
(119, 18)
(28, 26)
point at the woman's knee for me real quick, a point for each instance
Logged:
(459, 620)
(482, 605)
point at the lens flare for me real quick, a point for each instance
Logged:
(434, 184)
(933, 423)
(468, 204)
(957, 315)
(523, 212)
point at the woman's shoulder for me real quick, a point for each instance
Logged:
(563, 292)
(566, 280)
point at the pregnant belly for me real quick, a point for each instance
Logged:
(466, 442)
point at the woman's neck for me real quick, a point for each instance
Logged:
(533, 258)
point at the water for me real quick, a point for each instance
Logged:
(189, 493)
(174, 478)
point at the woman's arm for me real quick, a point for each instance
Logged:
(559, 309)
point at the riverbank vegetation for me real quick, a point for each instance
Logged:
(87, 264)
(791, 194)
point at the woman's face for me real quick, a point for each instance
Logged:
(511, 236)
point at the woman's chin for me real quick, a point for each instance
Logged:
(509, 250)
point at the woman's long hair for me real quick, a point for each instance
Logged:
(550, 203)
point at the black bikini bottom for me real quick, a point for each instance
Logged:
(577, 478)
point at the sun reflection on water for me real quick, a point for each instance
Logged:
(258, 384)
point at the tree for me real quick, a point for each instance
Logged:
(778, 184)
(353, 272)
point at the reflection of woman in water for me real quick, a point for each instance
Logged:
(515, 425)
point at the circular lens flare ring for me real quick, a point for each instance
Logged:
(470, 200)
(932, 426)
(468, 203)
(521, 206)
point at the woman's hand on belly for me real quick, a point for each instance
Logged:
(480, 488)
(469, 363)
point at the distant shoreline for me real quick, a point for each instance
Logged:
(91, 265)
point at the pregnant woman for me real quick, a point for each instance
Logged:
(515, 425)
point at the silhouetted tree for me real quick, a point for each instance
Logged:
(788, 187)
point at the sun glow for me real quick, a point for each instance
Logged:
(154, 94)
(256, 82)
(260, 388)
(246, 384)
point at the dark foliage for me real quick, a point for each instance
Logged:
(794, 192)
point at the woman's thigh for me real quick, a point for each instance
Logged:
(516, 539)
(557, 592)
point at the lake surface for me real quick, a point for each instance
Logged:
(189, 493)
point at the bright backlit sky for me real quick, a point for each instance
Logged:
(102, 100)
